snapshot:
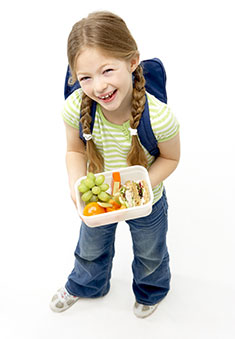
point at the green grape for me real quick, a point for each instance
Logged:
(99, 180)
(87, 196)
(83, 188)
(94, 198)
(104, 187)
(96, 190)
(89, 182)
(91, 176)
(103, 196)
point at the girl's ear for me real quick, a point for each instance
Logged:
(134, 62)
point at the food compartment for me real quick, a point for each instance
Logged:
(133, 173)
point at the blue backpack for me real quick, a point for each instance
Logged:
(155, 77)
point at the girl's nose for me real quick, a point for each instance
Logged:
(99, 86)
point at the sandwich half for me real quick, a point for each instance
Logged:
(134, 193)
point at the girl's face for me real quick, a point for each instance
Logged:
(106, 80)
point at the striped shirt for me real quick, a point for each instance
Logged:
(114, 141)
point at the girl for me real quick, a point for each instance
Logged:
(104, 58)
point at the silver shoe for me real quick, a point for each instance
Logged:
(62, 300)
(143, 311)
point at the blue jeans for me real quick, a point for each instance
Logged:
(94, 254)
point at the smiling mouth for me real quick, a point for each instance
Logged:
(108, 96)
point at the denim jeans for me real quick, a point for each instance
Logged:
(94, 254)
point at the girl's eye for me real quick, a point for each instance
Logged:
(84, 78)
(108, 70)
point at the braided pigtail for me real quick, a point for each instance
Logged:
(136, 155)
(95, 159)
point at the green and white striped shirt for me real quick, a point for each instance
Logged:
(114, 141)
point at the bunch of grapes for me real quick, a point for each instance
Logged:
(94, 189)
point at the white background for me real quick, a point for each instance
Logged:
(39, 224)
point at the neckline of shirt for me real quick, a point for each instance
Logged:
(124, 126)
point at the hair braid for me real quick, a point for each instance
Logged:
(136, 155)
(95, 159)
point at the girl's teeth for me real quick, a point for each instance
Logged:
(107, 96)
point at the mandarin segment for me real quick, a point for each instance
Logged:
(93, 208)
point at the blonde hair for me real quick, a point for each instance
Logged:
(108, 32)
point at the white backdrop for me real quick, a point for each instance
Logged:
(39, 224)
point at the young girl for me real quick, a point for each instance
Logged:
(104, 58)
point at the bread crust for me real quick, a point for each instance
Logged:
(146, 194)
(136, 196)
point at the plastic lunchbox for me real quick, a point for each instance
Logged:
(128, 173)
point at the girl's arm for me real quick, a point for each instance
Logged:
(167, 162)
(75, 158)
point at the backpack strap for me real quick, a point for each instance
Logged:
(145, 132)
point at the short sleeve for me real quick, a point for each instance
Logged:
(71, 109)
(164, 123)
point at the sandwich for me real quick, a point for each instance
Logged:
(133, 193)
